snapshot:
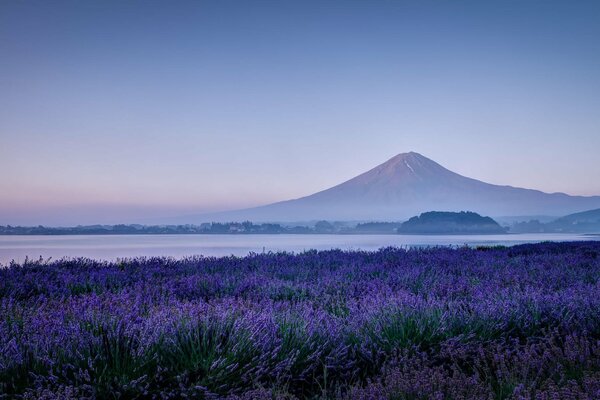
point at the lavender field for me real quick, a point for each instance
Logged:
(518, 322)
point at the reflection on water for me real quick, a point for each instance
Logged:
(121, 246)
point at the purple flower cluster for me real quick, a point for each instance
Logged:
(439, 323)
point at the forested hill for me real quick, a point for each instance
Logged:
(436, 222)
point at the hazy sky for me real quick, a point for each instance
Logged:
(111, 111)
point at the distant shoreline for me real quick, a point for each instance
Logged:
(347, 233)
(268, 233)
(430, 223)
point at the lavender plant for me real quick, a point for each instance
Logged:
(521, 322)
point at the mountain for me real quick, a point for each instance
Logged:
(406, 185)
(450, 223)
(583, 222)
(590, 216)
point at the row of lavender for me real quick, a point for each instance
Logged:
(489, 323)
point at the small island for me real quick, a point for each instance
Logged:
(450, 223)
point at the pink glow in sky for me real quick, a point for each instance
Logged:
(117, 112)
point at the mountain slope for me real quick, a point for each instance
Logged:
(410, 184)
(590, 216)
(587, 221)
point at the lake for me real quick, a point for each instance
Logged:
(111, 247)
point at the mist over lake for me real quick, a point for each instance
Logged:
(120, 246)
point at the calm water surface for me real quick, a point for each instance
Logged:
(122, 246)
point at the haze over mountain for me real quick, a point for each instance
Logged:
(407, 185)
